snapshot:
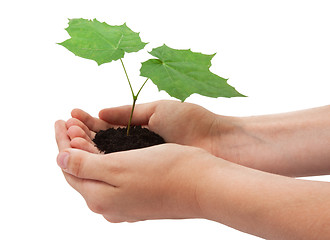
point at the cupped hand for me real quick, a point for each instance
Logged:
(176, 122)
(159, 182)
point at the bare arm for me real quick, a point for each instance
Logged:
(186, 182)
(266, 205)
(292, 144)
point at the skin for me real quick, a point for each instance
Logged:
(189, 177)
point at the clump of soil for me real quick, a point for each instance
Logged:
(115, 140)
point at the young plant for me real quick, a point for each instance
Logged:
(178, 72)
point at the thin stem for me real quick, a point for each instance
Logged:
(131, 116)
(133, 106)
(141, 87)
(133, 95)
(129, 82)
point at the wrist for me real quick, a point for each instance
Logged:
(240, 197)
(219, 192)
(230, 137)
(196, 182)
(252, 142)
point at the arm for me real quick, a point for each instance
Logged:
(173, 181)
(266, 205)
(293, 144)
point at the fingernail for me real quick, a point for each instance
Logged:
(62, 159)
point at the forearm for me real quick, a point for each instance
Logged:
(264, 204)
(293, 144)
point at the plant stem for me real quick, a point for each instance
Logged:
(133, 95)
(129, 82)
(133, 106)
(141, 87)
(131, 116)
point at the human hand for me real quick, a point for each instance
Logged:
(174, 181)
(176, 122)
(273, 143)
(152, 183)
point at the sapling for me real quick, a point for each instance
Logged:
(178, 72)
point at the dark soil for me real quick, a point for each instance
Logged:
(115, 140)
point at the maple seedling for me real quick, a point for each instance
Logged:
(178, 72)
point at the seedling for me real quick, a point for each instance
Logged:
(178, 72)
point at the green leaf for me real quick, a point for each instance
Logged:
(101, 42)
(183, 72)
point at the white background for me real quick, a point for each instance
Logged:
(276, 52)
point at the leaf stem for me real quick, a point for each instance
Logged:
(133, 95)
(129, 82)
(133, 106)
(141, 87)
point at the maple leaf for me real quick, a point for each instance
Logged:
(182, 72)
(101, 42)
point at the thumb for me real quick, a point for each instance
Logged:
(83, 164)
(120, 115)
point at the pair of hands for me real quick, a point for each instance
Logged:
(187, 178)
(152, 183)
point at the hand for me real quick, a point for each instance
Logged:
(181, 123)
(292, 144)
(174, 181)
(152, 183)
(176, 122)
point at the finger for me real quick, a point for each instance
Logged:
(62, 138)
(75, 131)
(82, 144)
(87, 165)
(94, 124)
(120, 115)
(76, 122)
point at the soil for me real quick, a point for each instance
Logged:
(115, 140)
